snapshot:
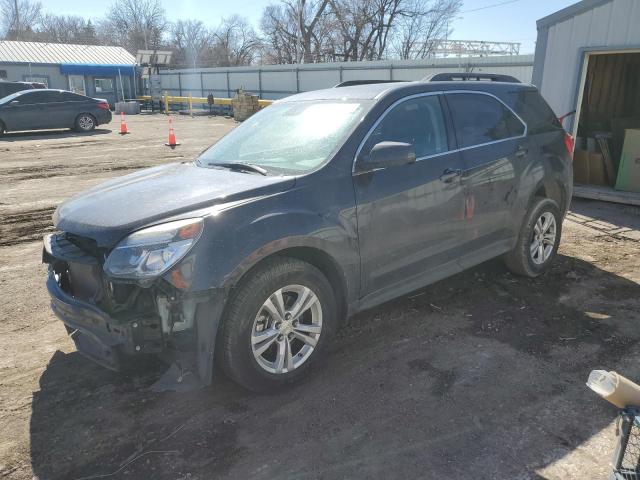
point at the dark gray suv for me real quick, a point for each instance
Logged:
(319, 206)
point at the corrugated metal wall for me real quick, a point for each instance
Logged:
(277, 81)
(612, 25)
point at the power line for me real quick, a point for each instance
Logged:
(491, 6)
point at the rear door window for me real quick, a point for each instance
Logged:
(39, 97)
(480, 119)
(418, 121)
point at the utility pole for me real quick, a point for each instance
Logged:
(17, 19)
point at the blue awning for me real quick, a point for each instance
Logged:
(96, 70)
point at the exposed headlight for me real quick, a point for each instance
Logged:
(150, 252)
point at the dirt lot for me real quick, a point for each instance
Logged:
(480, 376)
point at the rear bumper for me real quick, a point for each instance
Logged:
(97, 335)
(103, 116)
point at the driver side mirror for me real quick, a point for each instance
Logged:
(387, 154)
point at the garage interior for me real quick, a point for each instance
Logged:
(607, 152)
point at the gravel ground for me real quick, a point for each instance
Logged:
(480, 376)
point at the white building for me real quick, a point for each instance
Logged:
(93, 70)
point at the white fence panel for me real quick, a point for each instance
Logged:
(376, 73)
(318, 79)
(190, 81)
(277, 81)
(244, 80)
(214, 82)
(278, 84)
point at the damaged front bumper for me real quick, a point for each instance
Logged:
(111, 323)
(99, 336)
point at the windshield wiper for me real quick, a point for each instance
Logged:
(241, 166)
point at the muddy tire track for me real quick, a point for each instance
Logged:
(49, 171)
(26, 226)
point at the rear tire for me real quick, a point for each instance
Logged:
(85, 122)
(277, 324)
(538, 240)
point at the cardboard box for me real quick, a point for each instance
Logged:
(629, 169)
(581, 167)
(597, 173)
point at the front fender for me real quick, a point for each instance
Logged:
(235, 240)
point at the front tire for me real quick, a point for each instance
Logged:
(85, 122)
(277, 324)
(538, 240)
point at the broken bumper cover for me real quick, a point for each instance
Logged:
(112, 323)
(97, 335)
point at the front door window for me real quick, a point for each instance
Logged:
(417, 121)
(76, 84)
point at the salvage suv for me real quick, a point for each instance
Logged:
(319, 206)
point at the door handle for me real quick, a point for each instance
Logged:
(450, 174)
(521, 151)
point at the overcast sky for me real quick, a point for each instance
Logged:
(504, 20)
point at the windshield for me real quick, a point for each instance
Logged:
(289, 138)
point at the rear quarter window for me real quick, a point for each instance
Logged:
(533, 109)
(72, 97)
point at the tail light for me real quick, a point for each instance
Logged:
(568, 143)
(103, 105)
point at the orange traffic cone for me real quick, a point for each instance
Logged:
(172, 136)
(123, 125)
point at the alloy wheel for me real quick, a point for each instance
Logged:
(85, 122)
(286, 329)
(543, 238)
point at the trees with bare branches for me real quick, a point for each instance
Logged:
(280, 39)
(292, 30)
(192, 43)
(353, 30)
(18, 18)
(135, 24)
(66, 29)
(235, 43)
(415, 36)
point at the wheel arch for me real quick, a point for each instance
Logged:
(552, 189)
(315, 256)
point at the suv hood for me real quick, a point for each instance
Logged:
(112, 210)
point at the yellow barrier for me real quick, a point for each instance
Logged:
(169, 99)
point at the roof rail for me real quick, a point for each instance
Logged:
(478, 77)
(351, 83)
